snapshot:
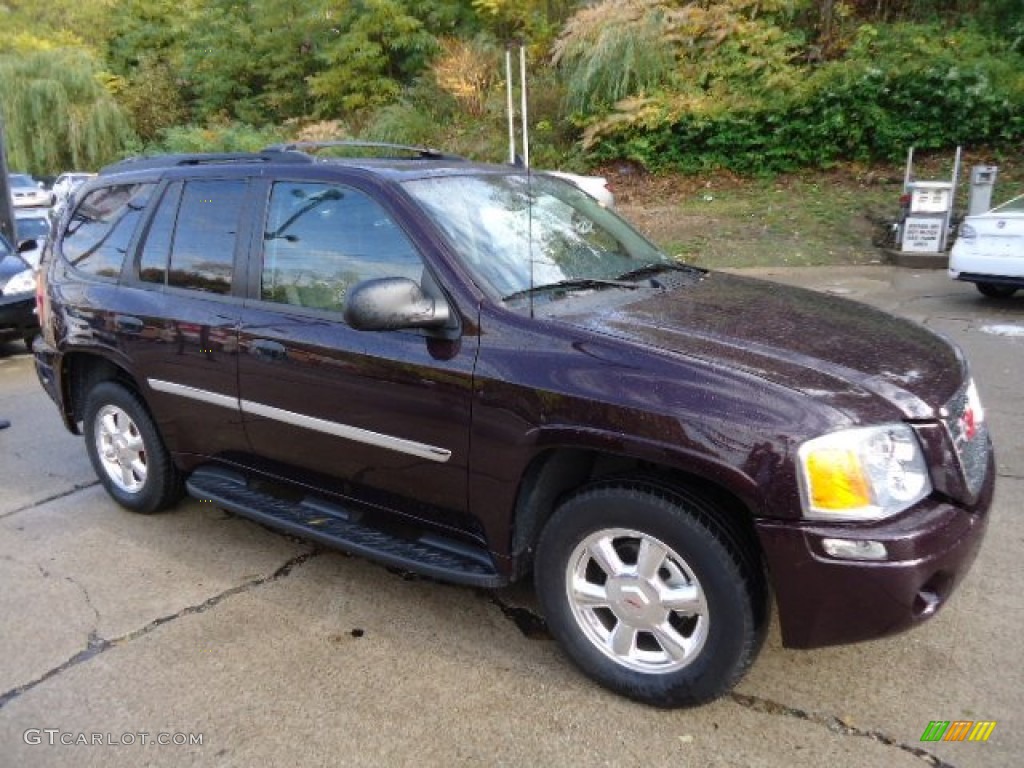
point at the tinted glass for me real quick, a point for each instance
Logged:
(32, 229)
(157, 248)
(203, 245)
(321, 239)
(101, 228)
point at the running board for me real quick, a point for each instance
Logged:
(335, 526)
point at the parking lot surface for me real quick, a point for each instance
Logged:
(197, 638)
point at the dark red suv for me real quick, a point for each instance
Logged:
(479, 373)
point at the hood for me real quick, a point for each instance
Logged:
(843, 352)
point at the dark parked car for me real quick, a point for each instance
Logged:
(478, 374)
(17, 295)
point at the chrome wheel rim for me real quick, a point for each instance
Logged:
(121, 449)
(637, 601)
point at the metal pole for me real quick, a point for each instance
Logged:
(522, 90)
(6, 204)
(952, 202)
(511, 108)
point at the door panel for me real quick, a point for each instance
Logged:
(379, 416)
(181, 325)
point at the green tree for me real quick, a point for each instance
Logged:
(374, 49)
(57, 113)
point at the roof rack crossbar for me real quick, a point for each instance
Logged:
(144, 162)
(425, 153)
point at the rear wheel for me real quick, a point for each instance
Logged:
(126, 450)
(996, 290)
(649, 595)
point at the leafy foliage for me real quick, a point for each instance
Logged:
(376, 47)
(756, 86)
(898, 86)
(229, 137)
(57, 114)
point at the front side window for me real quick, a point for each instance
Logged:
(101, 228)
(321, 239)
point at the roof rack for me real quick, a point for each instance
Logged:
(424, 153)
(270, 155)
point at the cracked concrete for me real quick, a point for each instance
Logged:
(96, 644)
(108, 572)
(280, 654)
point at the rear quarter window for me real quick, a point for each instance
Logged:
(100, 230)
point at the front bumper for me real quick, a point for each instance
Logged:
(18, 316)
(824, 600)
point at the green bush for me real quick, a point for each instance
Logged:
(912, 85)
(229, 137)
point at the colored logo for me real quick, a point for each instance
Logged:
(958, 730)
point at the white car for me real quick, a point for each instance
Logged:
(32, 224)
(989, 250)
(66, 184)
(595, 186)
(26, 192)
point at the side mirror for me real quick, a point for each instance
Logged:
(24, 246)
(392, 303)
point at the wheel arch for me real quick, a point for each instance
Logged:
(558, 473)
(80, 372)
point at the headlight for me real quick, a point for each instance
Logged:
(967, 232)
(862, 474)
(23, 282)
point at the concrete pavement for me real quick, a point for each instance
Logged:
(196, 625)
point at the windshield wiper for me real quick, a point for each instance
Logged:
(660, 266)
(572, 284)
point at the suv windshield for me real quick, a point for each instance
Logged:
(519, 231)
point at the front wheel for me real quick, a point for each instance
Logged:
(996, 290)
(649, 595)
(126, 450)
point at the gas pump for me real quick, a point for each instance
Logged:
(926, 210)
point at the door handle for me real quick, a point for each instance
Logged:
(268, 350)
(128, 324)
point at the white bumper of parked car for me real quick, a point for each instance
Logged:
(29, 199)
(998, 257)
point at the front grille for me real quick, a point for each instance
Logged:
(968, 430)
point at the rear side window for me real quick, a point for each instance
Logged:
(191, 240)
(101, 228)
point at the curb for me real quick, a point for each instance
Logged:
(915, 260)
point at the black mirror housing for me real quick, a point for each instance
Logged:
(391, 304)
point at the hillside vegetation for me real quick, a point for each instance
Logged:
(751, 87)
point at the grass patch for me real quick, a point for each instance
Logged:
(807, 219)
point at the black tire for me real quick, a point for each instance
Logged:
(126, 450)
(724, 627)
(28, 339)
(996, 290)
